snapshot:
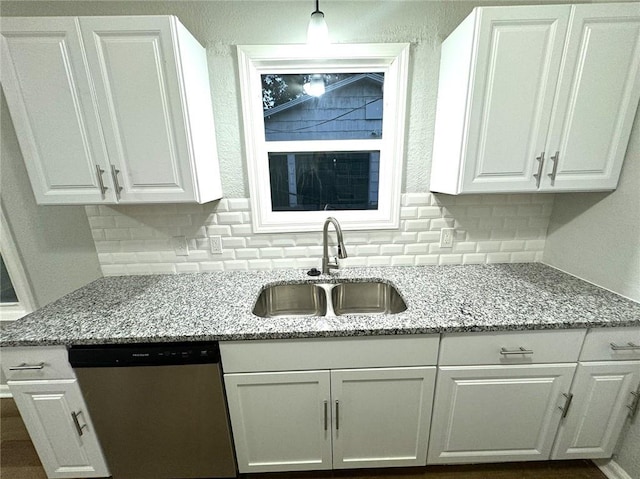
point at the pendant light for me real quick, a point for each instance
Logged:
(315, 86)
(317, 33)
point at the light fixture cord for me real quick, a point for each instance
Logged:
(317, 7)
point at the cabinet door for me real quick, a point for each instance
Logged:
(597, 97)
(57, 420)
(381, 416)
(136, 71)
(497, 413)
(48, 92)
(601, 393)
(280, 421)
(518, 55)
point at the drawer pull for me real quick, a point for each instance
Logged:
(520, 350)
(633, 407)
(79, 428)
(27, 367)
(337, 414)
(628, 347)
(567, 402)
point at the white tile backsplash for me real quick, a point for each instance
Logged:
(489, 229)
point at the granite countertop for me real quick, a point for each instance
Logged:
(209, 306)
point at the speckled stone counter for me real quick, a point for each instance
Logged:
(191, 307)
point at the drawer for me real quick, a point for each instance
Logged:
(329, 353)
(611, 343)
(47, 362)
(511, 347)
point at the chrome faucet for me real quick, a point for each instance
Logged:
(328, 265)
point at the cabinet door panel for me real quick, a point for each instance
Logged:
(518, 59)
(598, 94)
(497, 413)
(138, 92)
(48, 92)
(602, 392)
(46, 408)
(384, 416)
(278, 420)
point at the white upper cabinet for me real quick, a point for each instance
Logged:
(537, 98)
(49, 95)
(126, 117)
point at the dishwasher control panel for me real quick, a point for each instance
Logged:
(154, 354)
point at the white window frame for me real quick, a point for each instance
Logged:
(392, 59)
(26, 300)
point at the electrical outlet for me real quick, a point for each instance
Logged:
(446, 237)
(180, 246)
(215, 243)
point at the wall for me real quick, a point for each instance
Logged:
(596, 236)
(54, 242)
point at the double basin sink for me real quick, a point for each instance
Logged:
(328, 299)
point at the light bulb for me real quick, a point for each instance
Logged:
(315, 87)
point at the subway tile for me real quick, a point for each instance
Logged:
(107, 246)
(248, 253)
(352, 262)
(428, 212)
(117, 234)
(503, 234)
(142, 233)
(278, 240)
(236, 265)
(238, 204)
(308, 239)
(188, 268)
(97, 234)
(523, 257)
(133, 245)
(534, 245)
(283, 263)
(105, 258)
(259, 264)
(479, 211)
(367, 250)
(440, 223)
(231, 242)
(426, 260)
(417, 225)
(498, 258)
(272, 253)
(408, 212)
(188, 208)
(221, 230)
(405, 237)
(380, 237)
(428, 236)
(530, 210)
(308, 263)
(474, 258)
(147, 257)
(151, 268)
(516, 245)
(417, 248)
(296, 252)
(197, 255)
(405, 260)
(206, 266)
(416, 199)
(505, 210)
(393, 249)
(538, 222)
(128, 258)
(241, 230)
(464, 247)
(92, 210)
(113, 269)
(379, 261)
(102, 221)
(230, 218)
(450, 259)
(488, 246)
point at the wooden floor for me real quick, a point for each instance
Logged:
(18, 460)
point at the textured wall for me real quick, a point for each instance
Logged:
(54, 242)
(596, 236)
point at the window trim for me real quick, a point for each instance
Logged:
(26, 300)
(390, 58)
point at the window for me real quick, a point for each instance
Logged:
(324, 132)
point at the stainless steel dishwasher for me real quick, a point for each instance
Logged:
(159, 410)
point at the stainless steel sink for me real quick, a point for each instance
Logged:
(326, 299)
(366, 297)
(291, 300)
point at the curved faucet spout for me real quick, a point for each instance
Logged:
(328, 265)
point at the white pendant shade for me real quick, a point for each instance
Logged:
(317, 33)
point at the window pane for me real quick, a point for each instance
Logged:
(331, 106)
(7, 293)
(334, 180)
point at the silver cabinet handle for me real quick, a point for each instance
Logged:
(633, 407)
(99, 171)
(520, 350)
(628, 347)
(567, 402)
(553, 173)
(114, 174)
(326, 415)
(538, 175)
(26, 367)
(337, 414)
(79, 428)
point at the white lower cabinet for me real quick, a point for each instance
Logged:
(352, 418)
(603, 395)
(497, 413)
(57, 420)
